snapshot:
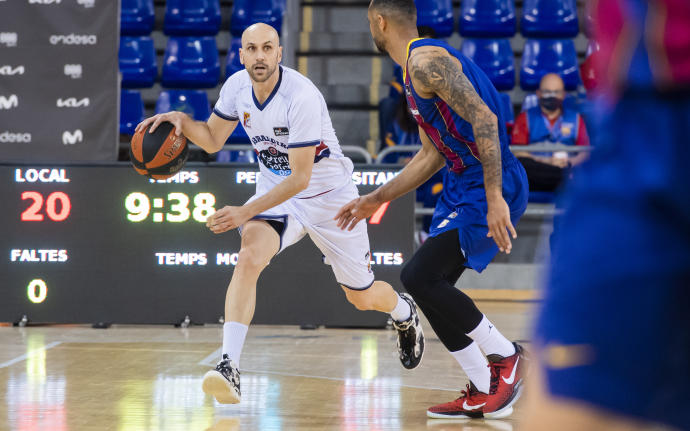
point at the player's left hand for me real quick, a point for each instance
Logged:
(357, 210)
(498, 220)
(227, 218)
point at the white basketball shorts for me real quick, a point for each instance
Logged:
(347, 252)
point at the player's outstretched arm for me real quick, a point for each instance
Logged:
(210, 136)
(422, 167)
(301, 164)
(435, 72)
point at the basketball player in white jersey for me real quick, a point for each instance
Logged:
(304, 181)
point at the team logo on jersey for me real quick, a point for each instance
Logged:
(322, 151)
(281, 131)
(566, 129)
(276, 161)
(247, 121)
(367, 257)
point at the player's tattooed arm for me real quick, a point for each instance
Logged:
(434, 71)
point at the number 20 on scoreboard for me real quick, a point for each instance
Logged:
(56, 206)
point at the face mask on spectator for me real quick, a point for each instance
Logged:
(550, 103)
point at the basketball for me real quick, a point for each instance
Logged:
(158, 155)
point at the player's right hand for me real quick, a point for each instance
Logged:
(357, 210)
(173, 117)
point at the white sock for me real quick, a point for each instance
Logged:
(474, 363)
(491, 340)
(402, 310)
(233, 340)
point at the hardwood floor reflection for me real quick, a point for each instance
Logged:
(129, 378)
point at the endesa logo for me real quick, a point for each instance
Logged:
(15, 137)
(9, 102)
(87, 3)
(72, 102)
(69, 138)
(45, 1)
(74, 71)
(8, 70)
(73, 39)
(8, 39)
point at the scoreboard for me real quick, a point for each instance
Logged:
(86, 244)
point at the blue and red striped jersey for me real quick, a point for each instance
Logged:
(451, 134)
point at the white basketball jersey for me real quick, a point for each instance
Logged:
(294, 115)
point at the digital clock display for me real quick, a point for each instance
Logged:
(139, 206)
(102, 243)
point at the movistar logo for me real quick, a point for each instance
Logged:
(69, 138)
(9, 102)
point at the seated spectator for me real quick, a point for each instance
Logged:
(403, 130)
(549, 122)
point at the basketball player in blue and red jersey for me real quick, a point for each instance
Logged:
(484, 194)
(613, 336)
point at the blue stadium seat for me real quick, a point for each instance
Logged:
(232, 63)
(495, 58)
(192, 17)
(131, 111)
(437, 14)
(191, 62)
(248, 12)
(136, 17)
(542, 56)
(487, 18)
(137, 59)
(507, 108)
(549, 18)
(192, 102)
(242, 156)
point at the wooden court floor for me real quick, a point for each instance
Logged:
(146, 378)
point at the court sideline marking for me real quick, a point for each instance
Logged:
(29, 354)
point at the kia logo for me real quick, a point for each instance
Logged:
(69, 138)
(9, 70)
(9, 102)
(72, 102)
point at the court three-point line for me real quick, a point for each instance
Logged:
(29, 354)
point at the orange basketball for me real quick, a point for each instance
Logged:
(160, 154)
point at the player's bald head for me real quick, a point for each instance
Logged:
(259, 34)
(399, 11)
(551, 82)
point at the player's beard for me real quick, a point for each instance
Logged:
(380, 45)
(269, 72)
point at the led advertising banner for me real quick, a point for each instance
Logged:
(59, 93)
(89, 244)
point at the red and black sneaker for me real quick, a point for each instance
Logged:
(506, 383)
(469, 406)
